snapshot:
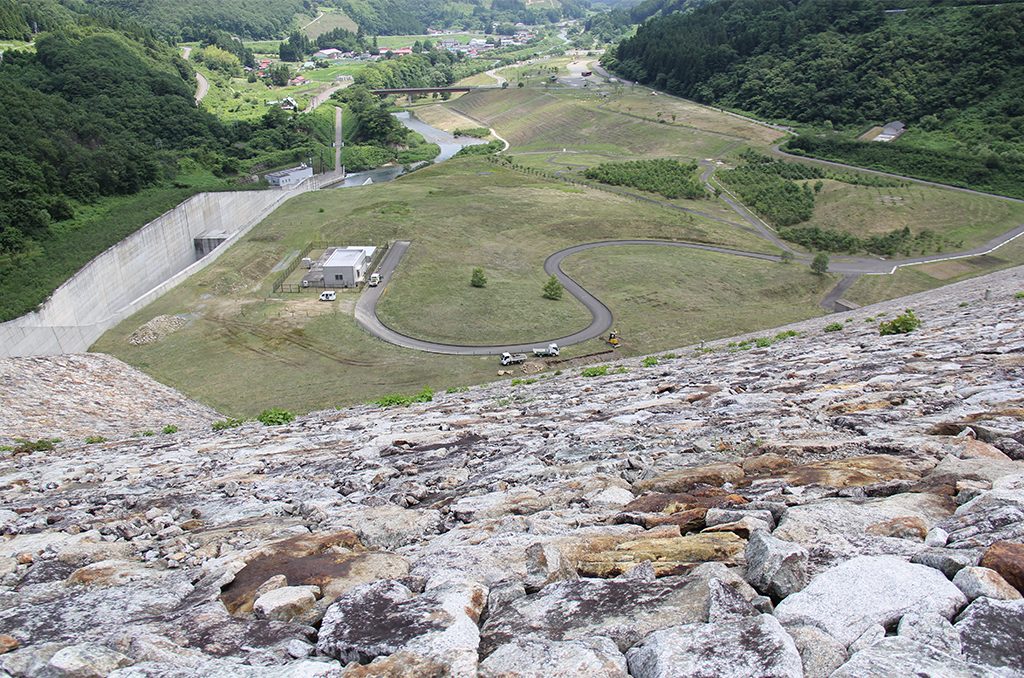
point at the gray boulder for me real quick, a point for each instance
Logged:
(991, 632)
(775, 567)
(539, 658)
(904, 657)
(981, 581)
(757, 646)
(849, 598)
(820, 653)
(929, 628)
(385, 617)
(85, 660)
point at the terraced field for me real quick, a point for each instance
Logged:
(331, 19)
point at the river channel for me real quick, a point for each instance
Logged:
(450, 145)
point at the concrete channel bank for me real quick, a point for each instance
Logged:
(136, 271)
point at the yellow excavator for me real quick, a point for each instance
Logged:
(613, 339)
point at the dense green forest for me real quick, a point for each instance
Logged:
(193, 19)
(95, 116)
(670, 178)
(411, 17)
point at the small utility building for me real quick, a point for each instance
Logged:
(290, 177)
(346, 266)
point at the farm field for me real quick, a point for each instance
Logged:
(676, 306)
(242, 351)
(330, 20)
(238, 99)
(958, 217)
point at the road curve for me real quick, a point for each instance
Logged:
(601, 315)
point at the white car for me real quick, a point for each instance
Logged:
(374, 280)
(328, 296)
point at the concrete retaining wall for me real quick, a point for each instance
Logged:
(137, 270)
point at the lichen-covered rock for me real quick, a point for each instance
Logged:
(904, 657)
(671, 555)
(849, 598)
(820, 653)
(775, 567)
(540, 658)
(757, 646)
(386, 617)
(990, 633)
(685, 479)
(625, 610)
(85, 660)
(981, 581)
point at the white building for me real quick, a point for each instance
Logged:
(346, 266)
(290, 177)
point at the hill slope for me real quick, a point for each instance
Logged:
(777, 500)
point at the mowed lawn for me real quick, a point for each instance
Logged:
(957, 216)
(670, 297)
(243, 351)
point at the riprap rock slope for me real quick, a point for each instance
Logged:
(832, 503)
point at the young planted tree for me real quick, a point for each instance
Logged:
(552, 289)
(820, 263)
(478, 279)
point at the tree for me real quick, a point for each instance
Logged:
(786, 258)
(280, 75)
(820, 263)
(478, 279)
(552, 289)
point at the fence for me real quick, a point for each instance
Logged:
(280, 286)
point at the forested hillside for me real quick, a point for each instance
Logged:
(98, 117)
(398, 17)
(954, 74)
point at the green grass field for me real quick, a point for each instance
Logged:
(242, 352)
(958, 217)
(656, 293)
(331, 19)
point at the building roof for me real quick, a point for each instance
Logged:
(344, 257)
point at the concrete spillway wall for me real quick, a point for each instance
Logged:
(134, 272)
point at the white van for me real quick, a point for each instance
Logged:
(328, 296)
(374, 280)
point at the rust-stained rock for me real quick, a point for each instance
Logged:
(685, 479)
(669, 556)
(768, 464)
(705, 497)
(399, 665)
(976, 449)
(907, 527)
(1006, 558)
(8, 643)
(851, 472)
(311, 560)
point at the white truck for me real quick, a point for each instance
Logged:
(512, 358)
(550, 351)
(374, 280)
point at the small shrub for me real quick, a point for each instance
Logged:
(964, 304)
(598, 371)
(622, 369)
(523, 382)
(478, 279)
(649, 361)
(95, 440)
(275, 416)
(1019, 295)
(833, 327)
(669, 356)
(169, 429)
(901, 324)
(6, 448)
(225, 424)
(552, 289)
(41, 445)
(146, 434)
(763, 342)
(788, 334)
(400, 400)
(820, 263)
(457, 389)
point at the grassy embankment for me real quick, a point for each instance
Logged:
(242, 352)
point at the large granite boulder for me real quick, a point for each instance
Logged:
(991, 633)
(849, 598)
(757, 646)
(540, 658)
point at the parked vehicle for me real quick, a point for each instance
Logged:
(374, 280)
(512, 358)
(328, 296)
(550, 351)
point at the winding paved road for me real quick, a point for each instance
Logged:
(202, 84)
(601, 315)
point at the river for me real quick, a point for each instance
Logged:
(449, 144)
